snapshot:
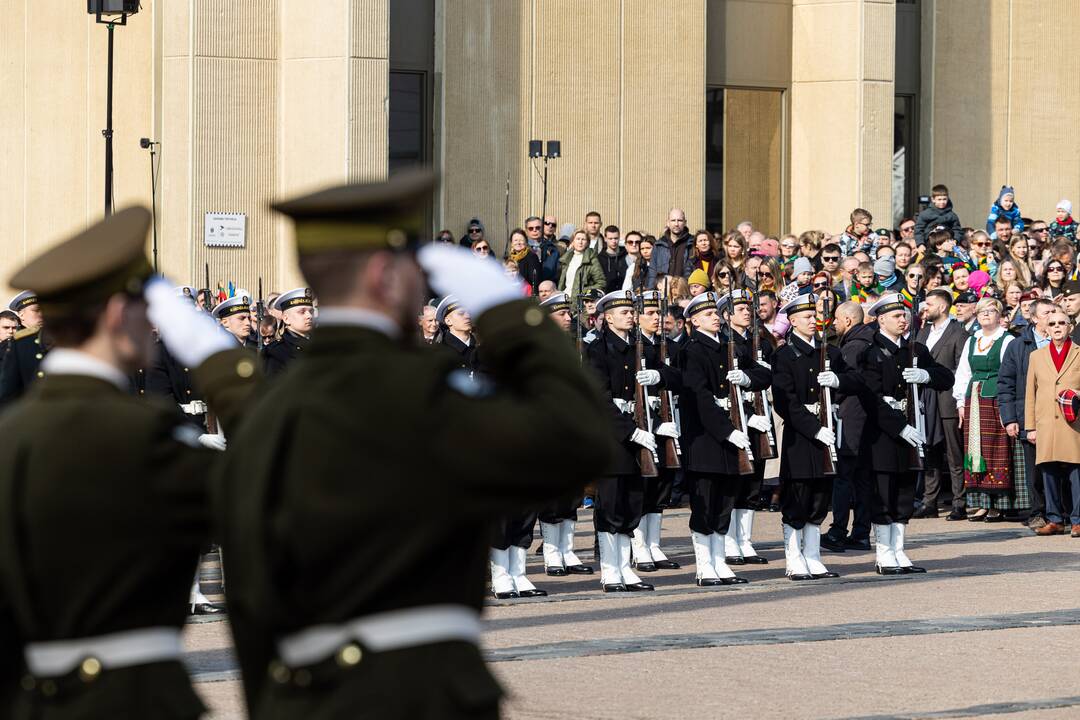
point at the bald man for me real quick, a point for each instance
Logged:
(672, 249)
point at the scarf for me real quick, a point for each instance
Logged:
(520, 255)
(1058, 356)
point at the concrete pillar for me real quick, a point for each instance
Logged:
(842, 96)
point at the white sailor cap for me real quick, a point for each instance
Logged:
(187, 292)
(650, 298)
(888, 303)
(233, 306)
(617, 299)
(801, 303)
(728, 301)
(556, 302)
(23, 300)
(447, 305)
(698, 303)
(294, 298)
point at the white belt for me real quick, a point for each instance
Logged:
(116, 650)
(722, 403)
(813, 407)
(624, 406)
(895, 404)
(195, 407)
(383, 631)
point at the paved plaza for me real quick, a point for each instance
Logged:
(991, 630)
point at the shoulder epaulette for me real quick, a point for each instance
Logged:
(25, 333)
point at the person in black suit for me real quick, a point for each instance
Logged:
(944, 337)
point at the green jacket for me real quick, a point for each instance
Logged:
(103, 513)
(590, 276)
(366, 479)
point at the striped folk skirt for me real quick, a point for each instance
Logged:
(993, 462)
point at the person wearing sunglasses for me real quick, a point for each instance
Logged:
(1053, 280)
(474, 231)
(830, 262)
(1050, 407)
(544, 246)
(981, 252)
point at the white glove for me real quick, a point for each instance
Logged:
(738, 377)
(828, 379)
(624, 406)
(214, 442)
(916, 376)
(668, 429)
(654, 403)
(739, 439)
(644, 438)
(477, 282)
(825, 436)
(647, 378)
(913, 437)
(758, 422)
(191, 336)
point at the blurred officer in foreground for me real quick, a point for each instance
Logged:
(97, 547)
(341, 604)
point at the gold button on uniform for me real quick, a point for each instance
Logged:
(89, 669)
(533, 317)
(245, 368)
(40, 374)
(39, 356)
(349, 655)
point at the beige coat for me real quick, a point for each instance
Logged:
(1055, 439)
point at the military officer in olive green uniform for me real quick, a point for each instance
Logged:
(97, 547)
(297, 312)
(340, 606)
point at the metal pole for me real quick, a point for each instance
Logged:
(153, 204)
(108, 131)
(543, 212)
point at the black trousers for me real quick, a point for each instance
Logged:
(712, 499)
(893, 498)
(565, 509)
(619, 501)
(514, 530)
(805, 502)
(658, 492)
(946, 459)
(851, 494)
(748, 496)
(1036, 488)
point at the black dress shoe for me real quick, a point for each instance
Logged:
(755, 560)
(533, 593)
(507, 595)
(616, 587)
(912, 570)
(734, 580)
(888, 570)
(925, 512)
(645, 567)
(556, 571)
(832, 544)
(850, 544)
(667, 565)
(800, 576)
(638, 587)
(824, 575)
(206, 609)
(738, 560)
(774, 507)
(709, 582)
(991, 518)
(957, 514)
(579, 569)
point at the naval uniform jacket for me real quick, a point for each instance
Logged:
(882, 366)
(613, 360)
(705, 425)
(278, 354)
(19, 368)
(795, 369)
(745, 345)
(465, 354)
(113, 551)
(310, 525)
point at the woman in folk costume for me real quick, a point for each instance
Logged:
(989, 472)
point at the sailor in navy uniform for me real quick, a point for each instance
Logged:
(23, 353)
(298, 314)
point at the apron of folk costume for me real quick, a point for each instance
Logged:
(986, 462)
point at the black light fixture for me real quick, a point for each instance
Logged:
(110, 13)
(551, 152)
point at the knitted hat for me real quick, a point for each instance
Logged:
(1066, 206)
(699, 277)
(884, 267)
(1006, 190)
(801, 265)
(978, 279)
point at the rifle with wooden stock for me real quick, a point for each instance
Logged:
(766, 444)
(211, 419)
(647, 458)
(736, 412)
(825, 410)
(672, 451)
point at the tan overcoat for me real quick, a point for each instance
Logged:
(1055, 439)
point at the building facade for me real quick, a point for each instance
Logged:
(788, 113)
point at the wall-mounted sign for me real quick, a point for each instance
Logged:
(225, 229)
